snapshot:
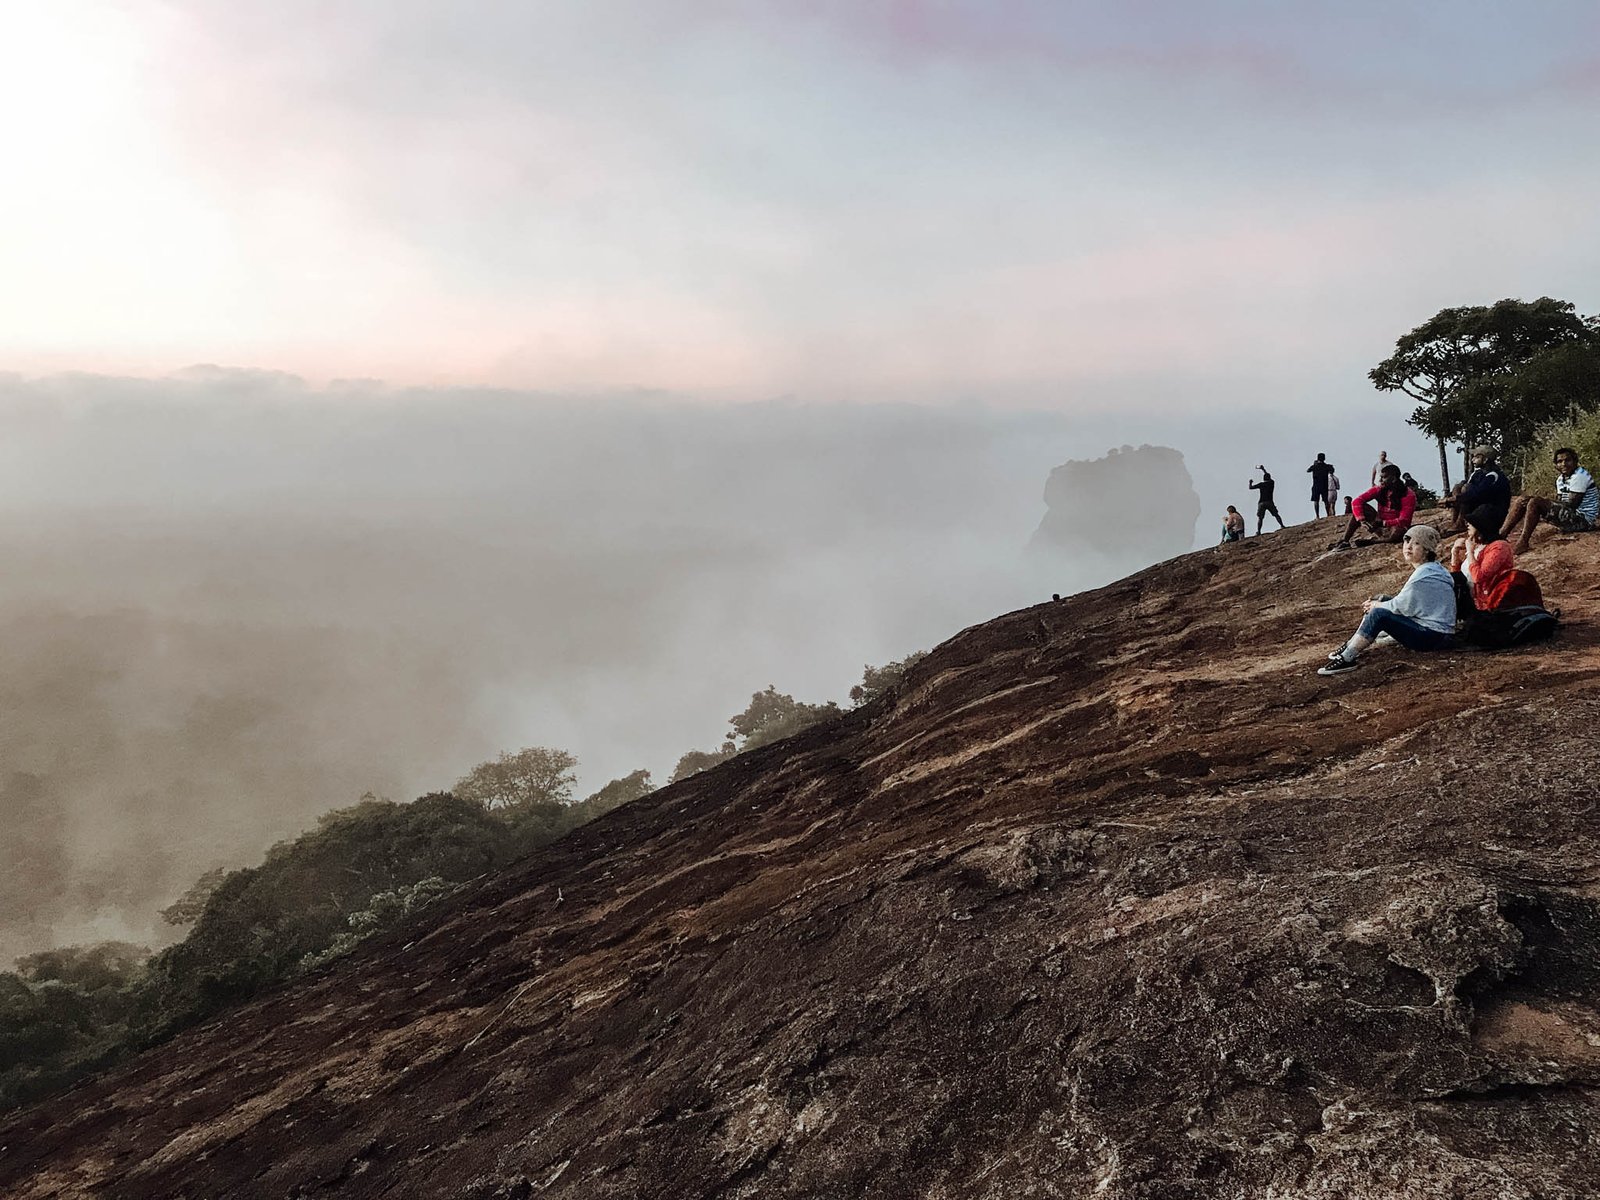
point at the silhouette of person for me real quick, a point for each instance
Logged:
(1320, 471)
(1264, 504)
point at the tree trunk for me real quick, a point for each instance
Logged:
(1444, 469)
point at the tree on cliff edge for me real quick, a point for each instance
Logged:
(1451, 364)
(516, 783)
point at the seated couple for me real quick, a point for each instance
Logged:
(1384, 511)
(1424, 615)
(1421, 617)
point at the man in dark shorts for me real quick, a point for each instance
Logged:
(1320, 471)
(1576, 508)
(1264, 504)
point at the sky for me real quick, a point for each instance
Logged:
(388, 383)
(1033, 203)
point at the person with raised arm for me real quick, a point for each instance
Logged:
(1264, 504)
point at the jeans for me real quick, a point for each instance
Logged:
(1409, 633)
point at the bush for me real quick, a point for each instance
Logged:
(1581, 432)
(63, 1014)
(261, 923)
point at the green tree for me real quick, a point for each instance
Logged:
(696, 761)
(63, 1014)
(1450, 365)
(773, 715)
(877, 680)
(186, 909)
(261, 922)
(615, 794)
(526, 780)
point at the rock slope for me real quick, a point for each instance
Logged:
(1115, 898)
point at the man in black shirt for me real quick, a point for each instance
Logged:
(1320, 471)
(1264, 504)
(1485, 499)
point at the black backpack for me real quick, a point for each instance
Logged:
(1507, 627)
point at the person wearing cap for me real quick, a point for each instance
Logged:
(1485, 498)
(1575, 509)
(1421, 617)
(1385, 510)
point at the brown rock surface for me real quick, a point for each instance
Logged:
(1116, 898)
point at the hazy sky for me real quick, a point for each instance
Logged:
(585, 367)
(1037, 202)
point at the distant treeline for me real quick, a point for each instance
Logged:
(68, 1012)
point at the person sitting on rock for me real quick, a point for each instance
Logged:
(1421, 617)
(1232, 525)
(1385, 511)
(1486, 495)
(1462, 558)
(1575, 509)
(1264, 504)
(1498, 584)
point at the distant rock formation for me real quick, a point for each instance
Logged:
(1134, 506)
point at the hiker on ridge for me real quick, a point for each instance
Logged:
(1333, 492)
(1421, 617)
(1575, 509)
(1385, 511)
(1232, 526)
(1264, 504)
(1320, 471)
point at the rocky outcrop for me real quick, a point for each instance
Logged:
(1115, 897)
(1128, 508)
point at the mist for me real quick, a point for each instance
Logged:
(234, 601)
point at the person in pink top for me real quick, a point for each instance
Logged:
(1384, 510)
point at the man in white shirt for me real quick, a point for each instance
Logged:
(1377, 467)
(1575, 509)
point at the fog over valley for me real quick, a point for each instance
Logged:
(233, 601)
(231, 604)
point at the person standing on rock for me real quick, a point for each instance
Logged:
(1320, 472)
(1421, 617)
(1232, 525)
(1264, 504)
(1333, 492)
(1377, 467)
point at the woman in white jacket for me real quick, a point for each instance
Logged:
(1421, 617)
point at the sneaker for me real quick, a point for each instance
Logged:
(1336, 655)
(1385, 639)
(1337, 665)
(1340, 545)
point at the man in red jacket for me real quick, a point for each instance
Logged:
(1385, 510)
